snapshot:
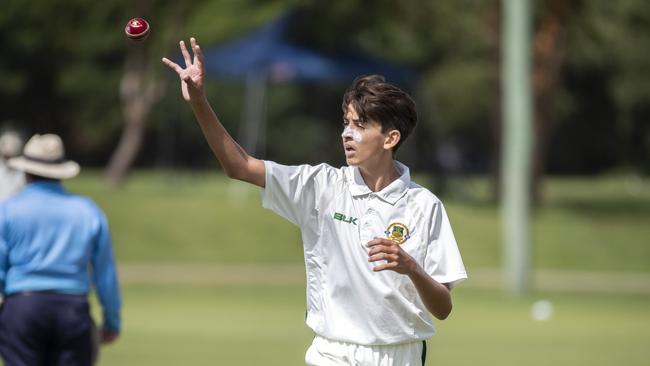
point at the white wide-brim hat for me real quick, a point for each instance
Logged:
(44, 156)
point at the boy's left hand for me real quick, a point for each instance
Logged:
(396, 258)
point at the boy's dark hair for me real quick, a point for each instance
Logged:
(375, 99)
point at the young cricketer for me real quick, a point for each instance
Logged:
(379, 250)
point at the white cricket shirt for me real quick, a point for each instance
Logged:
(338, 215)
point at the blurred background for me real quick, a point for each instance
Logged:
(209, 277)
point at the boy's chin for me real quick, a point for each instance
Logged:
(351, 162)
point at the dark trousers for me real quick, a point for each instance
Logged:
(44, 328)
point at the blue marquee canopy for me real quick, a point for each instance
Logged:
(267, 52)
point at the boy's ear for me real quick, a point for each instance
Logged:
(392, 138)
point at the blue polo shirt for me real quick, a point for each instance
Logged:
(52, 240)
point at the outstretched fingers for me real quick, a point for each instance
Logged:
(192, 73)
(186, 54)
(198, 54)
(172, 65)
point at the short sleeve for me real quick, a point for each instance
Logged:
(443, 261)
(292, 191)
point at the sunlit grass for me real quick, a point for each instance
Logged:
(264, 325)
(582, 223)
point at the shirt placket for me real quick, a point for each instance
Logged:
(369, 225)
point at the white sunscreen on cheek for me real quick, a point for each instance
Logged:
(352, 133)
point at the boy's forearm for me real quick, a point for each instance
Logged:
(435, 296)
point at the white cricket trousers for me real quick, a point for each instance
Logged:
(326, 352)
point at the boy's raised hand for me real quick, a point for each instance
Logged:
(192, 76)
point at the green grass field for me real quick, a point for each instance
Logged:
(264, 325)
(203, 221)
(584, 224)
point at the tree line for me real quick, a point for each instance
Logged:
(66, 67)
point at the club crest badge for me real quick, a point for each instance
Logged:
(397, 232)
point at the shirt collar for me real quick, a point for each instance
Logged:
(45, 186)
(391, 194)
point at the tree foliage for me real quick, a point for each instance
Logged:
(63, 62)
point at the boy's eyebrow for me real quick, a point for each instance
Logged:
(352, 120)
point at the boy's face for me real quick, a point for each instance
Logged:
(363, 142)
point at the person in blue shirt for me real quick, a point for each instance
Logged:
(53, 246)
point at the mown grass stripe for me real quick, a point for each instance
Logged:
(291, 274)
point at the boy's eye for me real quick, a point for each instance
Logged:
(357, 124)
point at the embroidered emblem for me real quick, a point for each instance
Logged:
(397, 232)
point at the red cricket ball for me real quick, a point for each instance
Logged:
(137, 29)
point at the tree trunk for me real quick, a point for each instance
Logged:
(138, 92)
(548, 56)
(140, 88)
(493, 39)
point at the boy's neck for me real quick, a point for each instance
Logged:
(379, 175)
